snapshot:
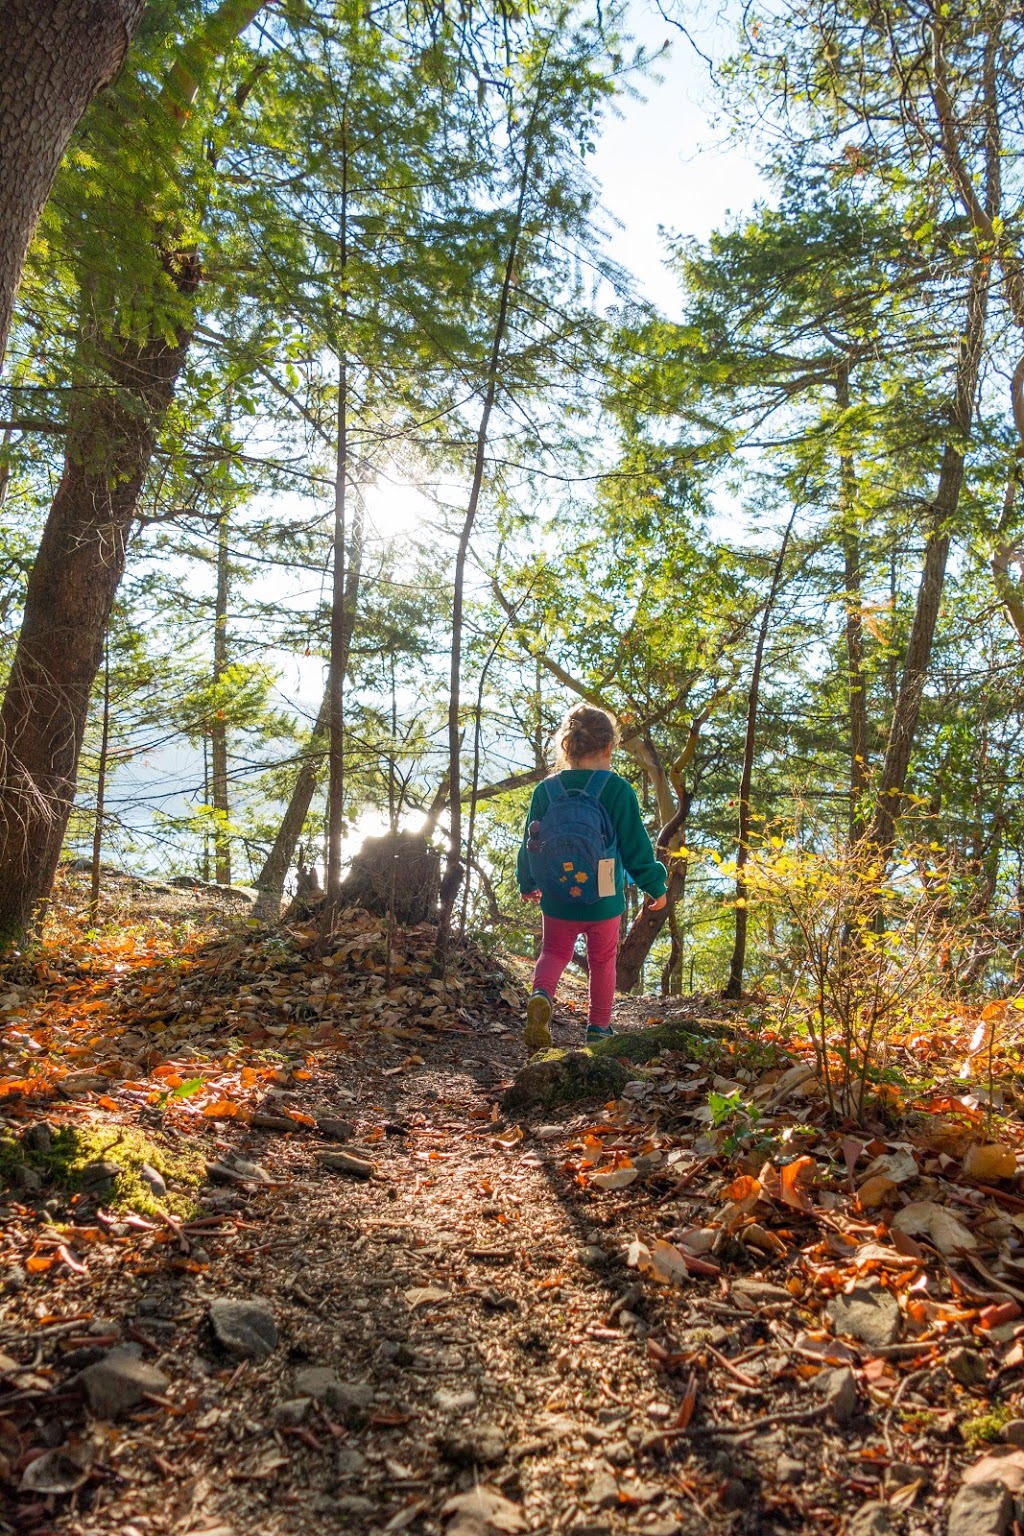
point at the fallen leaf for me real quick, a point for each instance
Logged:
(482, 1509)
(59, 1471)
(990, 1161)
(792, 1175)
(928, 1219)
(899, 1166)
(615, 1178)
(426, 1295)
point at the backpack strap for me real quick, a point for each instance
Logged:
(555, 788)
(596, 783)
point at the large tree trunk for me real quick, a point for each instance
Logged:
(902, 733)
(111, 435)
(57, 55)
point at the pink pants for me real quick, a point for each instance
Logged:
(559, 941)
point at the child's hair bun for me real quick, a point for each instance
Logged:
(585, 732)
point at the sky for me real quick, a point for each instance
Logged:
(662, 162)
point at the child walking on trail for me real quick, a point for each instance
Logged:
(584, 743)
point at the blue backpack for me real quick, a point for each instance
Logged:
(565, 846)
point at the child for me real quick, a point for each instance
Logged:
(584, 743)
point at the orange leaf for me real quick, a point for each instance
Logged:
(303, 1119)
(791, 1175)
(38, 1263)
(221, 1109)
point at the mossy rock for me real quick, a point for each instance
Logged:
(600, 1071)
(74, 1148)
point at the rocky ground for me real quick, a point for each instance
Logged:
(280, 1256)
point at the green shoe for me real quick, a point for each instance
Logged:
(596, 1032)
(538, 1016)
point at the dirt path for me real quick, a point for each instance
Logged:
(449, 1333)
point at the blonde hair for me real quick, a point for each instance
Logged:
(585, 731)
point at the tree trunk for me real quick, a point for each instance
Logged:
(111, 435)
(218, 725)
(453, 867)
(882, 830)
(733, 988)
(56, 58)
(336, 675)
(101, 787)
(854, 602)
(270, 882)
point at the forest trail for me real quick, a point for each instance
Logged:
(392, 1305)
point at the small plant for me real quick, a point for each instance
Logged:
(732, 1109)
(863, 943)
(987, 1427)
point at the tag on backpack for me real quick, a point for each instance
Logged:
(606, 877)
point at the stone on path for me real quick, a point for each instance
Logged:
(603, 1492)
(872, 1519)
(247, 1329)
(154, 1179)
(967, 1366)
(839, 1390)
(119, 1383)
(337, 1130)
(455, 1399)
(1013, 1433)
(981, 1509)
(346, 1162)
(481, 1446)
(868, 1313)
(760, 1292)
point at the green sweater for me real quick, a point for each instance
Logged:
(634, 847)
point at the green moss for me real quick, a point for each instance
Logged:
(645, 1044)
(988, 1426)
(75, 1147)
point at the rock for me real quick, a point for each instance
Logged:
(120, 1382)
(588, 1526)
(839, 1390)
(100, 1177)
(293, 1410)
(603, 1492)
(789, 1470)
(481, 1446)
(867, 1313)
(901, 1474)
(316, 1381)
(356, 1504)
(246, 1329)
(349, 1462)
(39, 1137)
(1013, 1432)
(455, 1400)
(155, 1180)
(27, 1179)
(350, 1396)
(558, 1076)
(346, 1162)
(593, 1256)
(980, 1509)
(760, 1292)
(872, 1519)
(15, 1279)
(967, 1366)
(664, 1525)
(337, 1130)
(619, 1453)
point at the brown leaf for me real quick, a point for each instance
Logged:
(482, 1509)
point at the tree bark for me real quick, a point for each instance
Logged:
(56, 57)
(882, 829)
(218, 725)
(854, 602)
(733, 988)
(111, 436)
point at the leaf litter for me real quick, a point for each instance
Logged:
(655, 1352)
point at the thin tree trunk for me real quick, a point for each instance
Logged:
(450, 884)
(218, 725)
(336, 680)
(734, 986)
(854, 602)
(56, 58)
(882, 831)
(101, 786)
